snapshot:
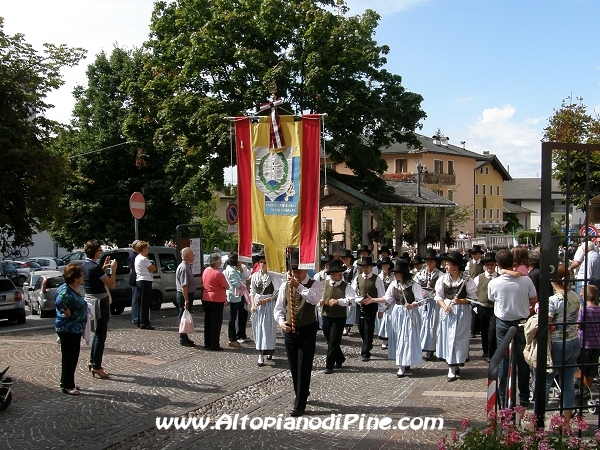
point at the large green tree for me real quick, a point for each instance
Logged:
(109, 166)
(572, 123)
(207, 60)
(32, 175)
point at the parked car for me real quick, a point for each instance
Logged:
(76, 256)
(9, 271)
(49, 262)
(163, 283)
(29, 285)
(12, 306)
(23, 269)
(42, 298)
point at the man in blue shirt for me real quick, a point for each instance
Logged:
(186, 287)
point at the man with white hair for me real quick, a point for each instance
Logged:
(186, 287)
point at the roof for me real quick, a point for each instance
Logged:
(528, 189)
(516, 209)
(496, 164)
(431, 147)
(344, 191)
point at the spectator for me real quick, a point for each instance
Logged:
(589, 338)
(214, 298)
(144, 270)
(185, 283)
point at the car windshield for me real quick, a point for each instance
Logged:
(6, 285)
(54, 282)
(34, 265)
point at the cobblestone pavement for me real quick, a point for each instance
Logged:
(153, 376)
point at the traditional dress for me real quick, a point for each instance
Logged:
(349, 276)
(264, 326)
(454, 330)
(430, 312)
(404, 332)
(382, 325)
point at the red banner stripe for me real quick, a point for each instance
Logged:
(244, 178)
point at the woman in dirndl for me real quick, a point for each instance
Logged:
(264, 286)
(452, 292)
(384, 315)
(430, 313)
(405, 295)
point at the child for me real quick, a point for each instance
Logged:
(589, 336)
(521, 262)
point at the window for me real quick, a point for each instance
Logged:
(477, 213)
(476, 189)
(484, 186)
(487, 170)
(168, 262)
(498, 190)
(483, 211)
(498, 214)
(491, 213)
(485, 202)
(491, 190)
(400, 166)
(438, 166)
(450, 167)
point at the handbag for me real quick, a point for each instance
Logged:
(186, 325)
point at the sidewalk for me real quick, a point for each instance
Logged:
(153, 376)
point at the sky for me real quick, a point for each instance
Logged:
(491, 72)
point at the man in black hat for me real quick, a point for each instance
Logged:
(475, 265)
(295, 312)
(368, 286)
(337, 295)
(487, 320)
(417, 264)
(363, 251)
(348, 276)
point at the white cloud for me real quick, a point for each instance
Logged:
(516, 144)
(383, 7)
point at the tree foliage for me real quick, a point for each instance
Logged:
(109, 166)
(214, 229)
(573, 124)
(209, 60)
(32, 175)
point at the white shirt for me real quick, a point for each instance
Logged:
(378, 284)
(390, 294)
(511, 296)
(312, 296)
(141, 268)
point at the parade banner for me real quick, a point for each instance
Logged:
(278, 187)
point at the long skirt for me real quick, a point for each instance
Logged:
(454, 333)
(264, 328)
(430, 315)
(404, 343)
(384, 324)
(351, 317)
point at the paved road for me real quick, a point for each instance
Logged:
(154, 376)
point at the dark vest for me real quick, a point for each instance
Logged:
(451, 292)
(475, 269)
(404, 296)
(334, 292)
(482, 290)
(349, 274)
(367, 286)
(306, 314)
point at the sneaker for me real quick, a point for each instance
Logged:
(400, 373)
(345, 332)
(384, 345)
(261, 361)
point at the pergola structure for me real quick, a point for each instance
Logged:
(342, 191)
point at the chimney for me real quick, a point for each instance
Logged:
(445, 141)
(436, 140)
(486, 152)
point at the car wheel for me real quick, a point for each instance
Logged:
(22, 318)
(6, 399)
(155, 301)
(116, 310)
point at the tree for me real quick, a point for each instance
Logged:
(209, 60)
(213, 228)
(573, 124)
(110, 167)
(32, 175)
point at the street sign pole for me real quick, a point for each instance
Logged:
(136, 229)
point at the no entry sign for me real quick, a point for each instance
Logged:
(137, 205)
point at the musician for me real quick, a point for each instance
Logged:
(367, 286)
(264, 287)
(487, 320)
(295, 312)
(349, 275)
(384, 315)
(337, 295)
(430, 313)
(452, 291)
(406, 296)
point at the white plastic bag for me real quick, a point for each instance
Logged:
(186, 326)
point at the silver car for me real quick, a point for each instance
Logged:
(42, 298)
(24, 268)
(12, 306)
(29, 284)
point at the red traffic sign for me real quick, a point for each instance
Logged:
(232, 214)
(590, 231)
(137, 205)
